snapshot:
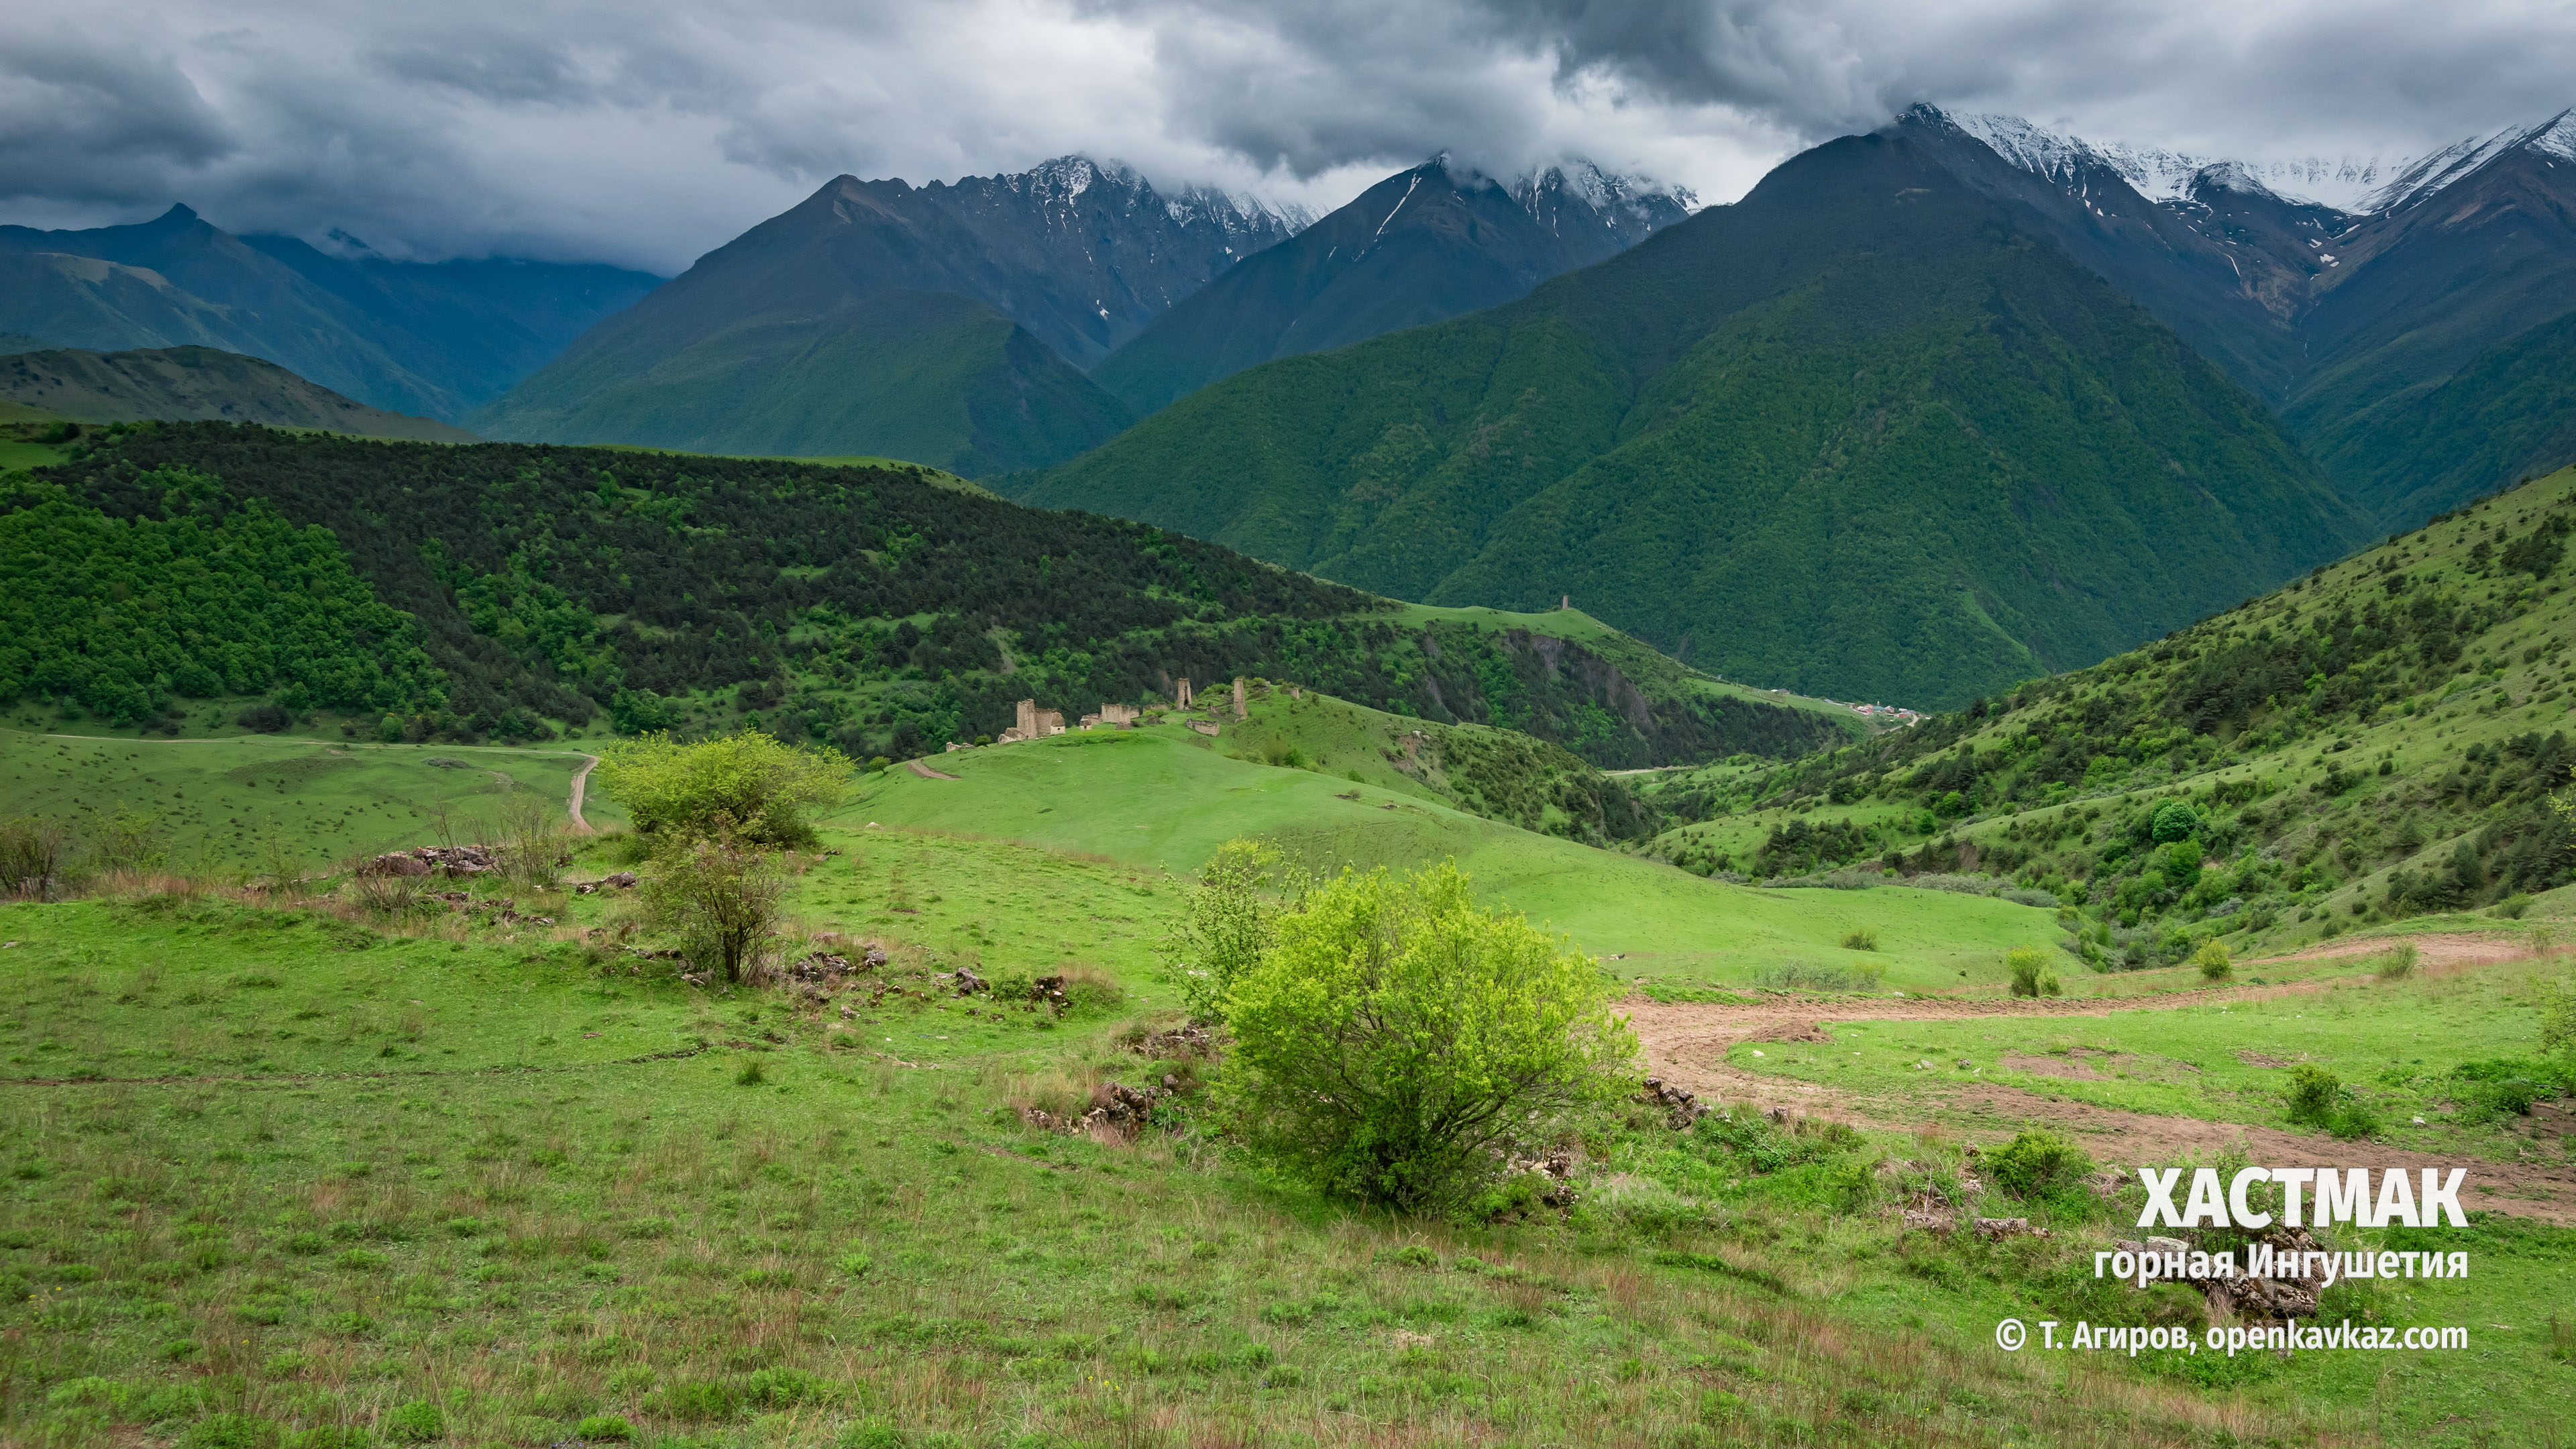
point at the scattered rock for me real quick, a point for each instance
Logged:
(1997, 1229)
(398, 863)
(876, 957)
(968, 983)
(1679, 1105)
(1179, 1043)
(821, 966)
(1929, 1222)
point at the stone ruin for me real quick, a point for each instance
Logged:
(1181, 693)
(1034, 724)
(1113, 716)
(1239, 711)
(1204, 726)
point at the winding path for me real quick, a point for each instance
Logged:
(922, 768)
(580, 783)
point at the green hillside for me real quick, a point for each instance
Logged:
(942, 379)
(1165, 798)
(870, 607)
(2377, 742)
(1855, 435)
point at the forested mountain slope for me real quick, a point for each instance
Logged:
(871, 607)
(2377, 740)
(1859, 434)
(1424, 245)
(2417, 346)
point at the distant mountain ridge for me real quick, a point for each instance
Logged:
(2373, 331)
(1862, 433)
(946, 323)
(434, 339)
(197, 384)
(1424, 245)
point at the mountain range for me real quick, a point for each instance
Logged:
(1424, 245)
(1860, 432)
(435, 339)
(2419, 346)
(955, 323)
(1928, 411)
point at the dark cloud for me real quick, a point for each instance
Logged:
(645, 131)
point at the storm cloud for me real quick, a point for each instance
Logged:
(645, 132)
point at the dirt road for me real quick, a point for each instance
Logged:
(580, 784)
(1687, 1044)
(922, 768)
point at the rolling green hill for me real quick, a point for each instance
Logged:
(1857, 434)
(876, 607)
(2377, 742)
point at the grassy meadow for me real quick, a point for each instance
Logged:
(242, 801)
(1165, 797)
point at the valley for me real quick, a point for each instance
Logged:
(1052, 808)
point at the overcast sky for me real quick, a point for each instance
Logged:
(647, 131)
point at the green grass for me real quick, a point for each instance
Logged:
(1165, 798)
(227, 803)
(427, 1167)
(2395, 1043)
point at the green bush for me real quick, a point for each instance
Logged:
(2031, 973)
(2214, 961)
(745, 784)
(1225, 924)
(2037, 1163)
(604, 1429)
(2398, 961)
(2172, 821)
(2314, 1092)
(1860, 941)
(1396, 1037)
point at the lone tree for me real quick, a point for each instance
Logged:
(1396, 1040)
(759, 787)
(723, 897)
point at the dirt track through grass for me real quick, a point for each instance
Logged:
(1688, 1043)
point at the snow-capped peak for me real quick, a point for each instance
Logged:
(2555, 138)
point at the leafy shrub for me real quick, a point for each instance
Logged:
(2173, 820)
(417, 1422)
(2037, 1163)
(745, 784)
(1860, 941)
(2214, 961)
(723, 897)
(2398, 961)
(1396, 1035)
(604, 1429)
(2319, 1099)
(1225, 925)
(2031, 973)
(1762, 1146)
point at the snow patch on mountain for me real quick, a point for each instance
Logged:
(2156, 173)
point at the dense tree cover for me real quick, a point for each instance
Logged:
(206, 595)
(1857, 434)
(864, 607)
(2131, 749)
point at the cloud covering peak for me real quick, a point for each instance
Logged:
(645, 132)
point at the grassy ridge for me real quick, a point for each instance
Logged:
(2376, 742)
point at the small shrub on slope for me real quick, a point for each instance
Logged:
(1397, 1035)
